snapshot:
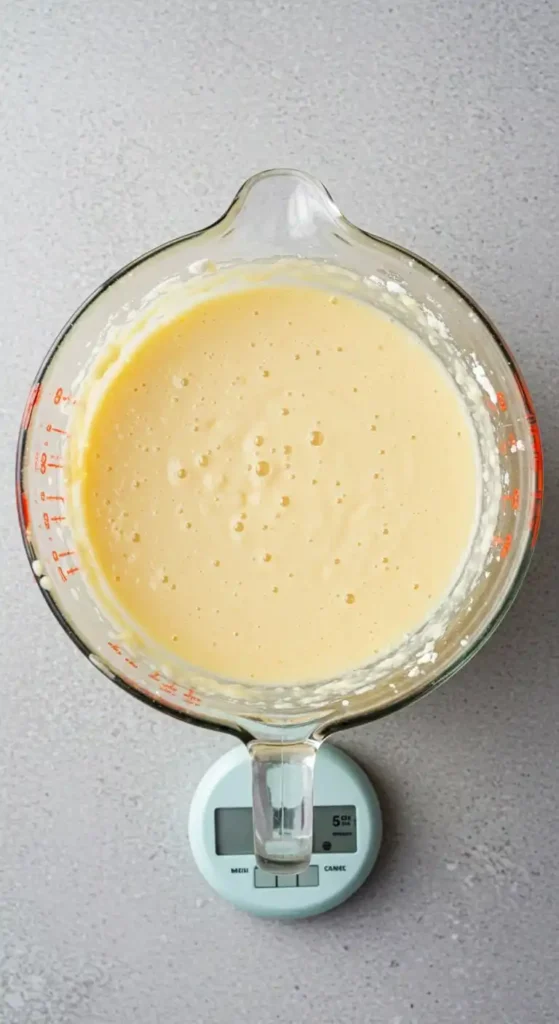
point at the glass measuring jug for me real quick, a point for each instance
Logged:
(285, 223)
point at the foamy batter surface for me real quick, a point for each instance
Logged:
(279, 484)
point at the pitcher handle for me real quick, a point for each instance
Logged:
(282, 793)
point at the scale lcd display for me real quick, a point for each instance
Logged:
(335, 830)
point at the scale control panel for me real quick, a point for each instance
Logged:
(308, 878)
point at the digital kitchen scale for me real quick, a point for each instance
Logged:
(346, 838)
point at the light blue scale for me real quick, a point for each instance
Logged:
(347, 837)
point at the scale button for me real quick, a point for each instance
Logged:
(308, 877)
(287, 881)
(264, 880)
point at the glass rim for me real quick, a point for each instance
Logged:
(324, 726)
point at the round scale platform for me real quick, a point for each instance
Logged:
(347, 837)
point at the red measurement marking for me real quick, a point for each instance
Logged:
(30, 405)
(25, 510)
(504, 544)
(513, 498)
(506, 446)
(190, 697)
(61, 573)
(61, 554)
(52, 497)
(538, 491)
(167, 686)
(499, 403)
(121, 654)
(59, 397)
(46, 520)
(74, 569)
(42, 464)
(55, 430)
(57, 519)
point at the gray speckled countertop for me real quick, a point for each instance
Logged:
(125, 123)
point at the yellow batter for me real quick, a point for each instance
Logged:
(279, 484)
